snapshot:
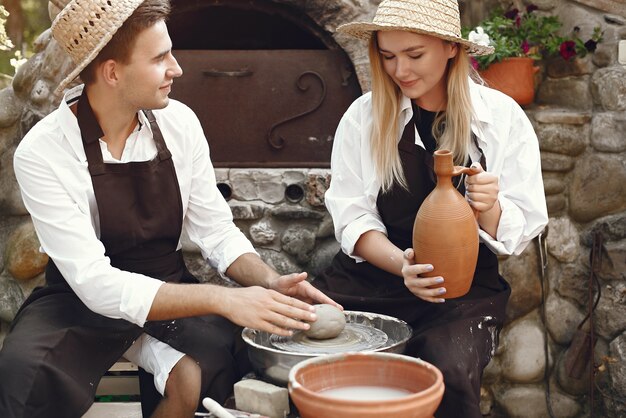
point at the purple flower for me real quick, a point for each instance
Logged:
(474, 63)
(568, 50)
(512, 14)
(525, 46)
(591, 45)
(531, 8)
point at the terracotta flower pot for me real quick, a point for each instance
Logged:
(445, 233)
(514, 77)
(419, 386)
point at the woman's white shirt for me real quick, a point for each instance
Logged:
(504, 134)
(51, 169)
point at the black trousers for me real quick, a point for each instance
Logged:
(57, 351)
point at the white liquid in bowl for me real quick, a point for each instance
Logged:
(365, 393)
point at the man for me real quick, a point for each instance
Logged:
(109, 188)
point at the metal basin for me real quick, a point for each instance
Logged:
(274, 364)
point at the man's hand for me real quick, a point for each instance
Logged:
(419, 285)
(295, 285)
(266, 310)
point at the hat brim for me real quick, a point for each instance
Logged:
(84, 63)
(364, 30)
(123, 15)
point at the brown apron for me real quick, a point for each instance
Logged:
(57, 349)
(458, 336)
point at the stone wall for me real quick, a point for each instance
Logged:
(580, 118)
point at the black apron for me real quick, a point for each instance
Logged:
(458, 336)
(61, 349)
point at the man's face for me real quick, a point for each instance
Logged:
(147, 78)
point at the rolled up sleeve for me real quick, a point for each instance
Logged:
(209, 220)
(351, 206)
(521, 197)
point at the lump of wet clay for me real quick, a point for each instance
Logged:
(329, 323)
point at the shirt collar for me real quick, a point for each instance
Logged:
(69, 124)
(480, 106)
(481, 110)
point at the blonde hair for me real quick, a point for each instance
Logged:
(452, 130)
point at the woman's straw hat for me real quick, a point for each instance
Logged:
(438, 18)
(84, 27)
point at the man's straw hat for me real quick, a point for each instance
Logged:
(84, 27)
(438, 18)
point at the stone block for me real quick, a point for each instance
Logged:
(617, 371)
(523, 358)
(292, 212)
(552, 186)
(568, 92)
(11, 298)
(264, 185)
(562, 318)
(608, 132)
(613, 265)
(242, 210)
(559, 68)
(608, 87)
(260, 397)
(10, 108)
(523, 271)
(24, 260)
(530, 402)
(612, 228)
(262, 233)
(556, 204)
(279, 261)
(598, 187)
(563, 139)
(564, 116)
(551, 161)
(611, 310)
(299, 242)
(562, 240)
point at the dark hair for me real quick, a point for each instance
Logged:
(121, 44)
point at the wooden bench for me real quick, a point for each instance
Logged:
(121, 379)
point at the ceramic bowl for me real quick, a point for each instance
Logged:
(274, 364)
(365, 380)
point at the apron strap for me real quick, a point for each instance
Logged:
(91, 133)
(162, 150)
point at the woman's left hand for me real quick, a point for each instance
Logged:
(481, 189)
(295, 285)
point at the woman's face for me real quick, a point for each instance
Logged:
(417, 64)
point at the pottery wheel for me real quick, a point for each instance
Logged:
(354, 337)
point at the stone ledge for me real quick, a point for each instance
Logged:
(564, 116)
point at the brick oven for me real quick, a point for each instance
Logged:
(268, 84)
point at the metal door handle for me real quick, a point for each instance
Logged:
(244, 72)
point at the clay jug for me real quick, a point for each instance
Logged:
(445, 233)
(514, 76)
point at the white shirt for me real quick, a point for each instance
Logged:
(51, 169)
(511, 150)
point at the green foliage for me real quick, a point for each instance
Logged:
(528, 34)
(36, 20)
(5, 42)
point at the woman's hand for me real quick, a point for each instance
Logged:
(482, 194)
(481, 189)
(295, 285)
(419, 285)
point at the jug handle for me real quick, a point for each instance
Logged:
(470, 171)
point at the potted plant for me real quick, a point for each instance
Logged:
(520, 38)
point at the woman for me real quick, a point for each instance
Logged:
(423, 99)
